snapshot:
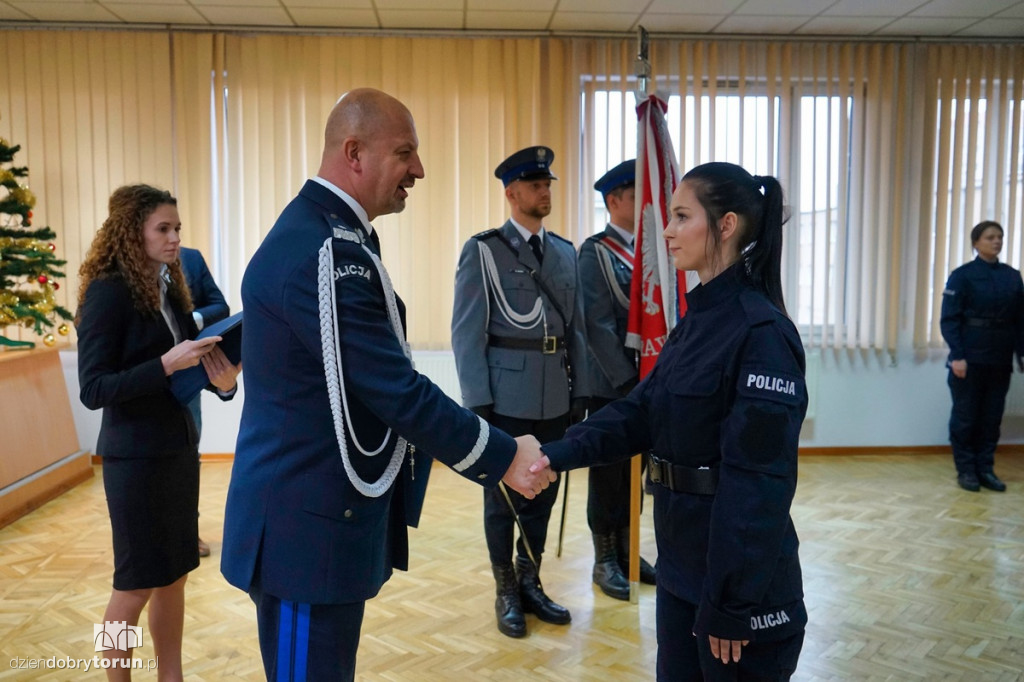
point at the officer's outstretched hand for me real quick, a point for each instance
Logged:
(727, 649)
(521, 475)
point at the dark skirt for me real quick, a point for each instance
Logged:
(153, 505)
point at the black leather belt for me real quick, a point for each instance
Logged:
(680, 479)
(545, 344)
(987, 322)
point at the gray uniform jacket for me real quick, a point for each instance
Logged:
(606, 281)
(497, 299)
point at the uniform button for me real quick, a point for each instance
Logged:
(481, 477)
(348, 513)
(334, 215)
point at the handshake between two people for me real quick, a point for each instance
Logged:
(530, 471)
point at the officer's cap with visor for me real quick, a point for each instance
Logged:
(526, 164)
(623, 175)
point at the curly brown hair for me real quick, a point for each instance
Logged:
(119, 249)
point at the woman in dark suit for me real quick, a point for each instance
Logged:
(134, 328)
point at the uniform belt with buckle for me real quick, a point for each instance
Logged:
(545, 344)
(995, 322)
(680, 479)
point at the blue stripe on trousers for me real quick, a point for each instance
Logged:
(293, 642)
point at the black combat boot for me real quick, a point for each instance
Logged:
(648, 574)
(533, 598)
(607, 573)
(507, 607)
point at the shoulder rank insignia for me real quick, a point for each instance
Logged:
(486, 234)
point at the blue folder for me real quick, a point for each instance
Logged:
(186, 384)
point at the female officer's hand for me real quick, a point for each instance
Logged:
(959, 368)
(724, 648)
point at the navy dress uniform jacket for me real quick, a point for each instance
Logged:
(206, 296)
(119, 370)
(606, 282)
(509, 378)
(727, 392)
(983, 313)
(294, 524)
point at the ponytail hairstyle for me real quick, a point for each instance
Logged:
(725, 187)
(980, 228)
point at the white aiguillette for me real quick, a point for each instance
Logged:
(186, 384)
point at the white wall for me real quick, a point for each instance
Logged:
(859, 401)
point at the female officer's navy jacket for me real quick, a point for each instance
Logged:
(727, 392)
(983, 313)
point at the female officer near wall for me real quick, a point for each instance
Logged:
(720, 415)
(983, 323)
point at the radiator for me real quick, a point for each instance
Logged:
(439, 367)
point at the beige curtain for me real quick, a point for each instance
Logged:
(96, 110)
(474, 101)
(971, 165)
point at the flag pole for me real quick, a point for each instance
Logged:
(643, 82)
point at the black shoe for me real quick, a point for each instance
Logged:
(969, 482)
(532, 596)
(648, 574)
(507, 607)
(989, 480)
(607, 573)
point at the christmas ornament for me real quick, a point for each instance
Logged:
(42, 279)
(63, 329)
(49, 340)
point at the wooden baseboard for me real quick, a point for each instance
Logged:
(34, 491)
(1008, 449)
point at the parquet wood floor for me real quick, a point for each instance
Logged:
(907, 578)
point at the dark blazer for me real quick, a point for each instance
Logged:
(119, 370)
(525, 384)
(294, 524)
(206, 296)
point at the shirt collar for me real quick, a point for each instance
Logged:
(352, 203)
(627, 236)
(524, 233)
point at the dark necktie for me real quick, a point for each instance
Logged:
(375, 240)
(534, 242)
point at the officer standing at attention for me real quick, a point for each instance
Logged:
(520, 350)
(606, 273)
(983, 323)
(721, 413)
(210, 307)
(338, 429)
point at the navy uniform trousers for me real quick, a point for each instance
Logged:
(499, 524)
(978, 401)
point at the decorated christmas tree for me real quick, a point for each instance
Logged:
(28, 266)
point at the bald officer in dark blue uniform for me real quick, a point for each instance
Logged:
(314, 525)
(983, 323)
(518, 337)
(606, 274)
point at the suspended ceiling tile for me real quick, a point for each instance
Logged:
(10, 13)
(843, 26)
(962, 8)
(721, 7)
(874, 8)
(334, 18)
(328, 4)
(1005, 27)
(418, 5)
(593, 21)
(200, 4)
(926, 26)
(508, 20)
(420, 19)
(520, 5)
(156, 14)
(760, 25)
(1015, 11)
(246, 16)
(797, 8)
(600, 6)
(65, 11)
(680, 23)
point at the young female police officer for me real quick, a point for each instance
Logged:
(720, 415)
